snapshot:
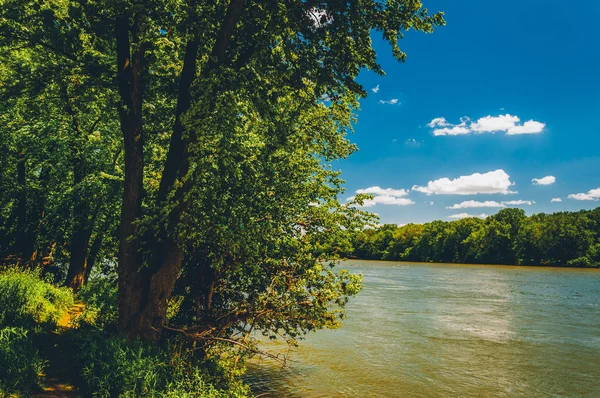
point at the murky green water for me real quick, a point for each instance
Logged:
(421, 330)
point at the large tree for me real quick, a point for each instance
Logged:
(229, 112)
(259, 50)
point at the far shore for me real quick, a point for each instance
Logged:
(473, 264)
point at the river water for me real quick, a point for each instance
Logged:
(437, 330)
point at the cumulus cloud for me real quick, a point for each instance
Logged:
(375, 89)
(555, 200)
(392, 200)
(508, 124)
(393, 101)
(474, 204)
(529, 127)
(592, 194)
(385, 200)
(460, 129)
(492, 182)
(438, 122)
(467, 215)
(489, 203)
(384, 196)
(381, 191)
(548, 180)
(489, 124)
(518, 202)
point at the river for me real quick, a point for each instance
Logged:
(437, 330)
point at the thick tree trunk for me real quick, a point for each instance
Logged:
(144, 294)
(130, 114)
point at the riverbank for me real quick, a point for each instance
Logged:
(490, 264)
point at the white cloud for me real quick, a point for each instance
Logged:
(438, 122)
(385, 200)
(392, 200)
(593, 194)
(489, 203)
(529, 127)
(430, 203)
(519, 202)
(492, 182)
(381, 191)
(460, 129)
(375, 89)
(548, 180)
(474, 204)
(508, 124)
(556, 200)
(384, 196)
(393, 101)
(489, 124)
(467, 215)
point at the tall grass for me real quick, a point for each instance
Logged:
(27, 300)
(111, 366)
(20, 362)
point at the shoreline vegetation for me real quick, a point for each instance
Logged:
(472, 264)
(565, 239)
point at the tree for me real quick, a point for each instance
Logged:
(194, 81)
(274, 49)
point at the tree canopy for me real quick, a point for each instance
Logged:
(190, 143)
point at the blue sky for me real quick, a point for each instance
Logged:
(533, 60)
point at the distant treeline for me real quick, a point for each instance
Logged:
(508, 237)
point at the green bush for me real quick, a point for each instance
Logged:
(580, 262)
(101, 303)
(28, 300)
(113, 367)
(20, 362)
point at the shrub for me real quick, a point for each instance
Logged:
(20, 362)
(580, 262)
(101, 303)
(28, 300)
(113, 367)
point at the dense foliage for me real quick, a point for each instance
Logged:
(508, 237)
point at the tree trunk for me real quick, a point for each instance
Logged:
(80, 240)
(130, 116)
(80, 235)
(144, 291)
(82, 230)
(21, 233)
